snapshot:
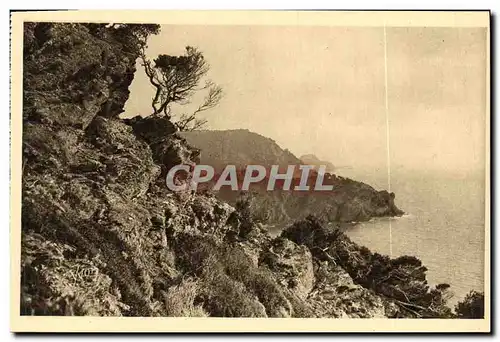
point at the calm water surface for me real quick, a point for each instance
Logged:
(444, 227)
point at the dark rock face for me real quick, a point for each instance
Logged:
(101, 234)
(168, 149)
(292, 264)
(75, 71)
(85, 175)
(152, 129)
(364, 203)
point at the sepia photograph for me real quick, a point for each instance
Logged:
(173, 169)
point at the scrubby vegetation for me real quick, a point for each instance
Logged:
(472, 306)
(102, 235)
(401, 280)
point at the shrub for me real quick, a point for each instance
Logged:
(180, 300)
(232, 284)
(472, 306)
(402, 280)
(226, 297)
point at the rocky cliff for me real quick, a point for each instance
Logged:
(101, 234)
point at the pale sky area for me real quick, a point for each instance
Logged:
(321, 90)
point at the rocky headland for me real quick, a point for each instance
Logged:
(349, 201)
(101, 234)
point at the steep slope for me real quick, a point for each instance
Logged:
(102, 235)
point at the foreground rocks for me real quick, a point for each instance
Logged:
(101, 235)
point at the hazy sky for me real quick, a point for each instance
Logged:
(321, 90)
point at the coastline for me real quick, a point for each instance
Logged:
(94, 198)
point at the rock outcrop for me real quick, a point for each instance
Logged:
(102, 235)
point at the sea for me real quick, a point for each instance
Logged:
(443, 225)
